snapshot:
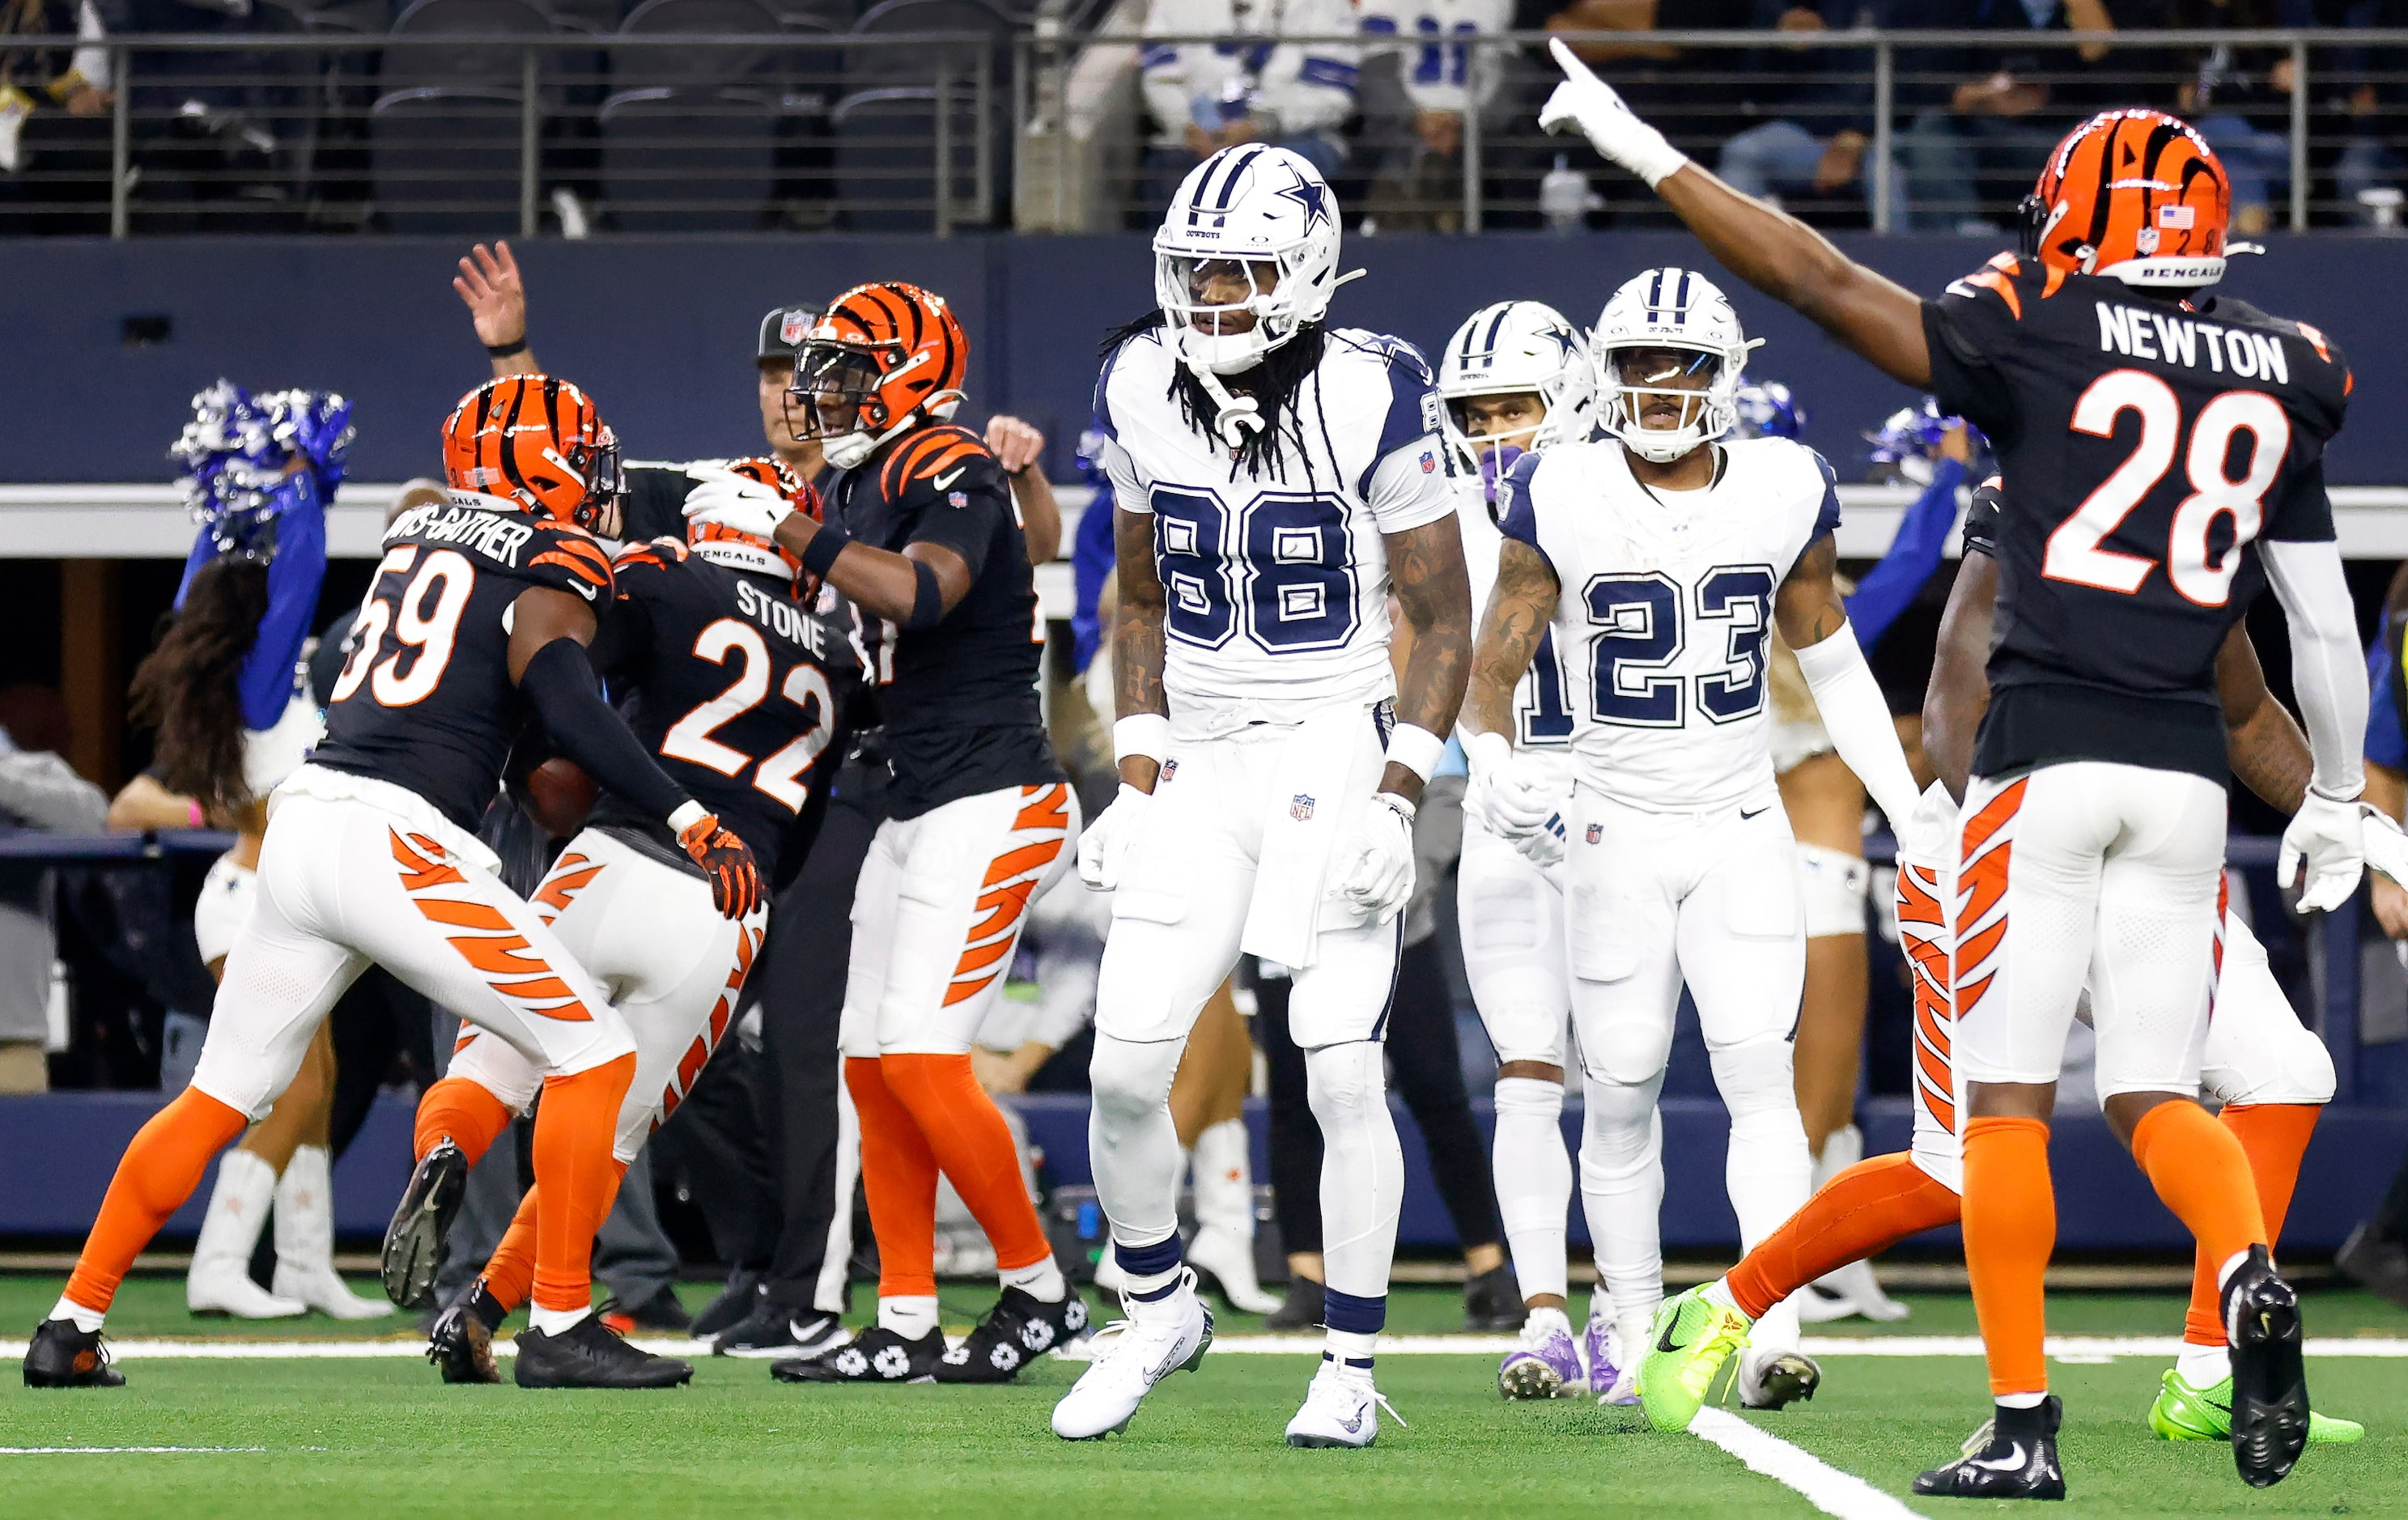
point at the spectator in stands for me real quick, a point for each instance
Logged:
(54, 104)
(1819, 141)
(38, 790)
(2239, 100)
(1419, 183)
(1260, 84)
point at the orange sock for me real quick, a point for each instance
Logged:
(2010, 1229)
(2200, 1168)
(974, 1148)
(160, 1169)
(1861, 1212)
(464, 1111)
(510, 1276)
(898, 1172)
(2274, 1137)
(577, 1178)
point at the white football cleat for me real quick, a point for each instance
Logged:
(1340, 1409)
(1771, 1378)
(1169, 1335)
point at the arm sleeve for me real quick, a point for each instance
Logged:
(1857, 717)
(294, 577)
(45, 791)
(561, 685)
(2387, 736)
(1406, 482)
(655, 503)
(1892, 585)
(2327, 669)
(1969, 332)
(1309, 86)
(1162, 72)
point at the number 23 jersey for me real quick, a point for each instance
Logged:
(1666, 603)
(1276, 584)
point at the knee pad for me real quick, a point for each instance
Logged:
(1343, 1082)
(1618, 1126)
(1756, 1077)
(1132, 1078)
(2279, 1064)
(1832, 885)
(1529, 1098)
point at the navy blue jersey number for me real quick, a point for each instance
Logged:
(1293, 575)
(1639, 631)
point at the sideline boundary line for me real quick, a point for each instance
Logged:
(1826, 1487)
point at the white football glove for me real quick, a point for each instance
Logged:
(733, 501)
(2386, 847)
(1505, 795)
(1929, 835)
(1544, 847)
(1588, 103)
(2328, 837)
(1375, 861)
(1104, 845)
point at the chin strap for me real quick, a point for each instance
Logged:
(1238, 414)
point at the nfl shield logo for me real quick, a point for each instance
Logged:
(1430, 463)
(1300, 809)
(1595, 831)
(793, 325)
(957, 498)
(1170, 768)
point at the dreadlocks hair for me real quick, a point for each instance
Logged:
(188, 688)
(1276, 384)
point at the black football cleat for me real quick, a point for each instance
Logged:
(775, 1328)
(588, 1355)
(1306, 1301)
(2012, 1457)
(735, 1304)
(1493, 1301)
(660, 1314)
(413, 1242)
(461, 1343)
(878, 1354)
(2270, 1385)
(63, 1356)
(1016, 1331)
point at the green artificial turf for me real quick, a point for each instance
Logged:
(383, 1437)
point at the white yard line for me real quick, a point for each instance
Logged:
(1793, 1468)
(123, 1451)
(2075, 1348)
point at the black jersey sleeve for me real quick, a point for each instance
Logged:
(569, 559)
(623, 649)
(2303, 512)
(954, 491)
(1970, 330)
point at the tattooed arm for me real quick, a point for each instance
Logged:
(2269, 751)
(1137, 634)
(1808, 605)
(1434, 592)
(1519, 610)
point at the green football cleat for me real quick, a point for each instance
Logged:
(1688, 1343)
(2185, 1411)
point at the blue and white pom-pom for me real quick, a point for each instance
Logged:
(238, 451)
(1768, 410)
(1908, 443)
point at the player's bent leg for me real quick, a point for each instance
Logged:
(458, 1118)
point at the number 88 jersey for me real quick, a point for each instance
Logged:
(1277, 583)
(1664, 607)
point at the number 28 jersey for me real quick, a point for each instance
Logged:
(2149, 445)
(426, 701)
(1276, 584)
(1666, 603)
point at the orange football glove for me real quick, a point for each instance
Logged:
(734, 880)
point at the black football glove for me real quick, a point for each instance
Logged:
(735, 879)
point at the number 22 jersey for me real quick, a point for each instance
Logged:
(1277, 583)
(1666, 603)
(2151, 444)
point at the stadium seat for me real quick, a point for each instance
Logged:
(885, 126)
(689, 135)
(446, 161)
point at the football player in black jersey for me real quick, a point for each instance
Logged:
(922, 537)
(729, 677)
(479, 615)
(2168, 453)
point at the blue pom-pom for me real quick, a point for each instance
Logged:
(238, 455)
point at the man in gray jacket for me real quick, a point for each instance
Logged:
(38, 790)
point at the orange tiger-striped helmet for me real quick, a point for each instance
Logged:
(880, 357)
(537, 443)
(2135, 196)
(741, 551)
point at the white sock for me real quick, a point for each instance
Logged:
(1541, 1321)
(1041, 1280)
(86, 1320)
(1622, 1189)
(2203, 1367)
(2023, 1400)
(1534, 1181)
(1719, 1292)
(1631, 1339)
(910, 1317)
(1346, 1348)
(555, 1321)
(2231, 1265)
(1769, 1172)
(1361, 1167)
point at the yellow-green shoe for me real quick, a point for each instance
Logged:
(2185, 1411)
(1690, 1340)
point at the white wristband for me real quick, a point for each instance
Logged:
(689, 813)
(1416, 748)
(1141, 734)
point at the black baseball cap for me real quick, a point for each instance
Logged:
(782, 330)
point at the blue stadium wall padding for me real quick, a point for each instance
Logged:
(661, 331)
(65, 1145)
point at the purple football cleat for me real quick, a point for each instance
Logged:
(1548, 1368)
(1597, 1340)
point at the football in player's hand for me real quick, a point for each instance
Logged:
(559, 796)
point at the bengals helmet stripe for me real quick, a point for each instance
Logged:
(882, 357)
(537, 443)
(2135, 196)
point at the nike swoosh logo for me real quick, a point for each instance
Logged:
(950, 476)
(2012, 1462)
(1758, 813)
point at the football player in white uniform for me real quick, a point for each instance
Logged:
(1662, 557)
(1275, 478)
(1515, 379)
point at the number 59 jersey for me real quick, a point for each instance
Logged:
(1277, 583)
(1665, 603)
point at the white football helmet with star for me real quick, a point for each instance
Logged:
(1270, 211)
(1512, 347)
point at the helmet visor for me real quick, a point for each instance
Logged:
(1214, 295)
(1662, 389)
(605, 483)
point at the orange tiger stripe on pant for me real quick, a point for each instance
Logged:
(1009, 883)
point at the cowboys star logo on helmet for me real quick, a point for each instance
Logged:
(1512, 347)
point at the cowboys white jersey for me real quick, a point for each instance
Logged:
(1278, 583)
(1665, 607)
(1542, 718)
